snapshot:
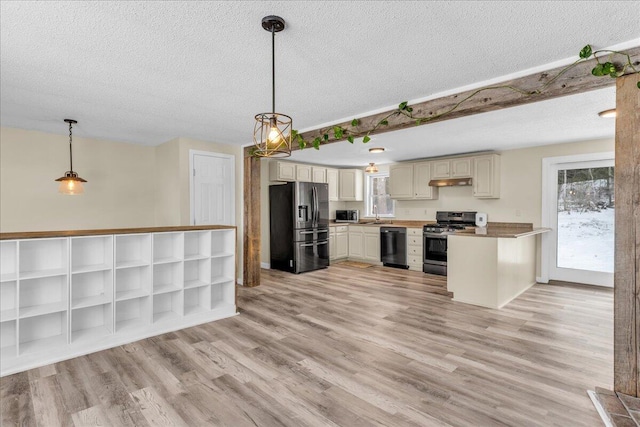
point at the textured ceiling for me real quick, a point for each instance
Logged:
(147, 72)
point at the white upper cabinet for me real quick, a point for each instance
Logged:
(461, 168)
(303, 173)
(452, 168)
(332, 180)
(282, 171)
(350, 185)
(411, 181)
(486, 176)
(401, 181)
(318, 174)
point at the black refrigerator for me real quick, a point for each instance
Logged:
(299, 226)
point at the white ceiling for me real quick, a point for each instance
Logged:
(146, 72)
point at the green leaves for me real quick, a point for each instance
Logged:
(366, 139)
(317, 141)
(638, 84)
(338, 132)
(355, 122)
(586, 52)
(402, 106)
(605, 69)
(350, 139)
(384, 122)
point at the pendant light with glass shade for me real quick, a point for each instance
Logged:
(372, 168)
(71, 183)
(272, 131)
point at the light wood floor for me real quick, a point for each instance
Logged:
(343, 347)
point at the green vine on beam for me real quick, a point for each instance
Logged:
(603, 68)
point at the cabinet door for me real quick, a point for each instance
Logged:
(318, 174)
(342, 245)
(401, 181)
(441, 169)
(372, 246)
(351, 185)
(486, 176)
(355, 245)
(421, 178)
(282, 171)
(332, 180)
(461, 168)
(332, 244)
(303, 173)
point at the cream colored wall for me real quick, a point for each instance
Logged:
(521, 187)
(119, 191)
(128, 185)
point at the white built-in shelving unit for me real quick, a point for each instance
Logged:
(62, 297)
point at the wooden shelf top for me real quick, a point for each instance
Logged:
(107, 231)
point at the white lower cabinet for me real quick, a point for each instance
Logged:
(415, 249)
(67, 296)
(364, 243)
(338, 242)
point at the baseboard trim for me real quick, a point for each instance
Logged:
(539, 279)
(265, 265)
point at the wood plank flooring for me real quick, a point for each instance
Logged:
(343, 347)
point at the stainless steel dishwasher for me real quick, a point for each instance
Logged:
(393, 247)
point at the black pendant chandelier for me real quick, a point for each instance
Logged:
(70, 183)
(272, 131)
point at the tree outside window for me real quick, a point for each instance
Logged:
(377, 194)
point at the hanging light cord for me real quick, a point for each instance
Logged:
(273, 68)
(70, 151)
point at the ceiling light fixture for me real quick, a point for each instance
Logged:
(372, 168)
(608, 113)
(70, 183)
(376, 150)
(272, 131)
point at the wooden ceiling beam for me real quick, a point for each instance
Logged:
(574, 80)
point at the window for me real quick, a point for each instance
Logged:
(377, 195)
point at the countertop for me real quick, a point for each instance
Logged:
(98, 232)
(494, 229)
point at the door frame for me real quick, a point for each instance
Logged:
(192, 210)
(549, 217)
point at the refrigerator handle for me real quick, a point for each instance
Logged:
(314, 209)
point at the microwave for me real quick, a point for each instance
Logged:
(350, 215)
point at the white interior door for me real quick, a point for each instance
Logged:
(212, 188)
(580, 211)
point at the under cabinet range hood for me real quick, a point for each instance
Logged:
(449, 182)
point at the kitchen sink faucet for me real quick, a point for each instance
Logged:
(375, 212)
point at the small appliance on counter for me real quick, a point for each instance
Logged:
(351, 215)
(481, 219)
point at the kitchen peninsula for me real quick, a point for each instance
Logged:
(491, 266)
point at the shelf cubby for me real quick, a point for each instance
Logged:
(8, 260)
(133, 313)
(93, 288)
(222, 269)
(43, 295)
(197, 273)
(167, 247)
(167, 277)
(133, 250)
(223, 295)
(133, 283)
(91, 323)
(167, 306)
(223, 243)
(91, 253)
(43, 257)
(8, 301)
(197, 245)
(196, 300)
(42, 333)
(8, 339)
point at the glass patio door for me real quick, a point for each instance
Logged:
(582, 247)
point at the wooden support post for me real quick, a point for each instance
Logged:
(626, 358)
(251, 270)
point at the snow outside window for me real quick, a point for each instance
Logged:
(377, 195)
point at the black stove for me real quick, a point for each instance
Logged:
(435, 239)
